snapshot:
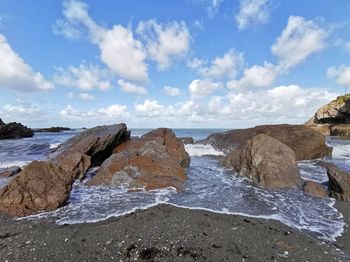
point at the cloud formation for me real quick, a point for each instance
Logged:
(341, 74)
(252, 12)
(131, 88)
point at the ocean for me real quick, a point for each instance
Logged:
(209, 187)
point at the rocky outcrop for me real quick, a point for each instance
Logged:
(46, 185)
(266, 161)
(340, 130)
(335, 112)
(156, 160)
(314, 189)
(339, 182)
(14, 130)
(54, 129)
(305, 142)
(10, 171)
(324, 129)
(187, 140)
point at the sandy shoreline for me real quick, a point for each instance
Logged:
(165, 233)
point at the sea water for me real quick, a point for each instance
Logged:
(209, 187)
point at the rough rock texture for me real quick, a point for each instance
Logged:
(156, 160)
(266, 161)
(187, 140)
(324, 129)
(10, 171)
(314, 189)
(40, 186)
(14, 130)
(54, 129)
(335, 112)
(305, 142)
(340, 130)
(339, 182)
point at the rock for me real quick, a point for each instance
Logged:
(53, 129)
(305, 142)
(266, 161)
(340, 130)
(10, 171)
(187, 140)
(76, 162)
(339, 182)
(1, 122)
(335, 112)
(40, 186)
(156, 160)
(97, 143)
(314, 189)
(14, 130)
(323, 129)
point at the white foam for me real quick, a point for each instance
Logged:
(202, 150)
(54, 145)
(14, 163)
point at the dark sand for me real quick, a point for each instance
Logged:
(164, 233)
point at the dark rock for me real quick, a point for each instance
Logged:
(156, 160)
(10, 171)
(314, 189)
(14, 130)
(266, 161)
(339, 182)
(340, 130)
(53, 129)
(336, 112)
(1, 122)
(40, 186)
(187, 140)
(305, 142)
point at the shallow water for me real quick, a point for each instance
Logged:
(208, 187)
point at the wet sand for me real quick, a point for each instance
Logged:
(164, 233)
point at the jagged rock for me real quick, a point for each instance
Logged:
(187, 140)
(1, 122)
(40, 186)
(305, 142)
(266, 161)
(54, 129)
(10, 171)
(14, 130)
(324, 129)
(314, 189)
(156, 160)
(335, 112)
(340, 130)
(339, 182)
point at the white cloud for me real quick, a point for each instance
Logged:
(84, 77)
(299, 39)
(21, 110)
(171, 91)
(212, 6)
(110, 113)
(203, 87)
(123, 54)
(149, 109)
(341, 73)
(164, 42)
(226, 66)
(16, 74)
(131, 88)
(86, 96)
(70, 95)
(252, 12)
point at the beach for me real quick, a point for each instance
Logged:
(166, 233)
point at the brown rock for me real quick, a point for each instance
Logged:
(156, 160)
(340, 130)
(10, 171)
(77, 162)
(40, 186)
(339, 182)
(266, 161)
(314, 189)
(323, 129)
(305, 142)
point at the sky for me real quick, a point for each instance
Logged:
(178, 64)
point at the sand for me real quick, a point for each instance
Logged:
(165, 233)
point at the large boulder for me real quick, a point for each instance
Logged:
(339, 182)
(335, 112)
(305, 142)
(315, 189)
(40, 186)
(266, 161)
(156, 160)
(14, 130)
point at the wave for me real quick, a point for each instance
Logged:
(202, 150)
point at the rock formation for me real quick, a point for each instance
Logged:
(314, 189)
(305, 142)
(156, 160)
(340, 130)
(10, 171)
(14, 130)
(266, 161)
(54, 129)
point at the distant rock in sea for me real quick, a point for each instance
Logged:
(14, 130)
(53, 129)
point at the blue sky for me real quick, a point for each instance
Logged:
(190, 63)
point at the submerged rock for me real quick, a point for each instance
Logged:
(14, 130)
(266, 161)
(335, 112)
(54, 129)
(10, 171)
(156, 160)
(314, 189)
(305, 142)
